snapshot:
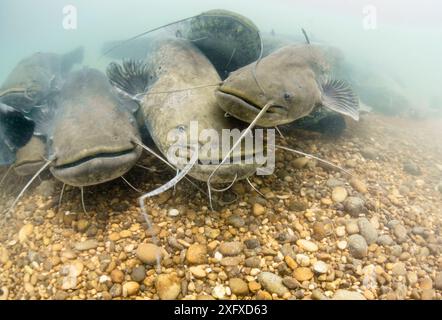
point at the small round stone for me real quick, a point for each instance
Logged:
(272, 283)
(339, 194)
(149, 253)
(231, 248)
(130, 288)
(354, 206)
(303, 274)
(138, 273)
(238, 286)
(168, 286)
(357, 246)
(196, 254)
(173, 212)
(117, 276)
(258, 209)
(320, 267)
(307, 245)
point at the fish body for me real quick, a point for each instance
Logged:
(90, 132)
(296, 79)
(36, 77)
(181, 89)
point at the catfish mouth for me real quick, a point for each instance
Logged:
(97, 167)
(236, 97)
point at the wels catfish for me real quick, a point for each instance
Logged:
(35, 78)
(90, 132)
(176, 85)
(296, 79)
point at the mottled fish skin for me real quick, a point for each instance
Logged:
(188, 82)
(290, 78)
(36, 77)
(91, 133)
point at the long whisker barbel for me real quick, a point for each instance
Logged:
(130, 185)
(28, 184)
(254, 188)
(246, 132)
(82, 200)
(312, 157)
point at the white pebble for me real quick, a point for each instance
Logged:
(173, 213)
(342, 244)
(218, 256)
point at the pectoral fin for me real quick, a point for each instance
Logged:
(337, 95)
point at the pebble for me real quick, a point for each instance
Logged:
(357, 246)
(138, 273)
(307, 245)
(25, 232)
(302, 274)
(196, 254)
(358, 185)
(427, 294)
(291, 283)
(272, 283)
(340, 231)
(320, 267)
(231, 248)
(258, 209)
(219, 292)
(426, 283)
(198, 272)
(252, 243)
(116, 290)
(399, 269)
(352, 227)
(339, 194)
(332, 182)
(236, 220)
(238, 286)
(82, 225)
(86, 245)
(342, 245)
(148, 253)
(412, 278)
(354, 206)
(400, 233)
(412, 168)
(4, 293)
(173, 212)
(367, 230)
(342, 294)
(254, 286)
(303, 260)
(168, 286)
(300, 163)
(117, 276)
(321, 230)
(130, 288)
(46, 188)
(252, 262)
(438, 281)
(385, 240)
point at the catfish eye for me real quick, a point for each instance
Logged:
(181, 128)
(287, 96)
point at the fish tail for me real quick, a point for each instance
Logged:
(132, 76)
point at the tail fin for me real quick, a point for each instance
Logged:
(15, 128)
(71, 58)
(132, 77)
